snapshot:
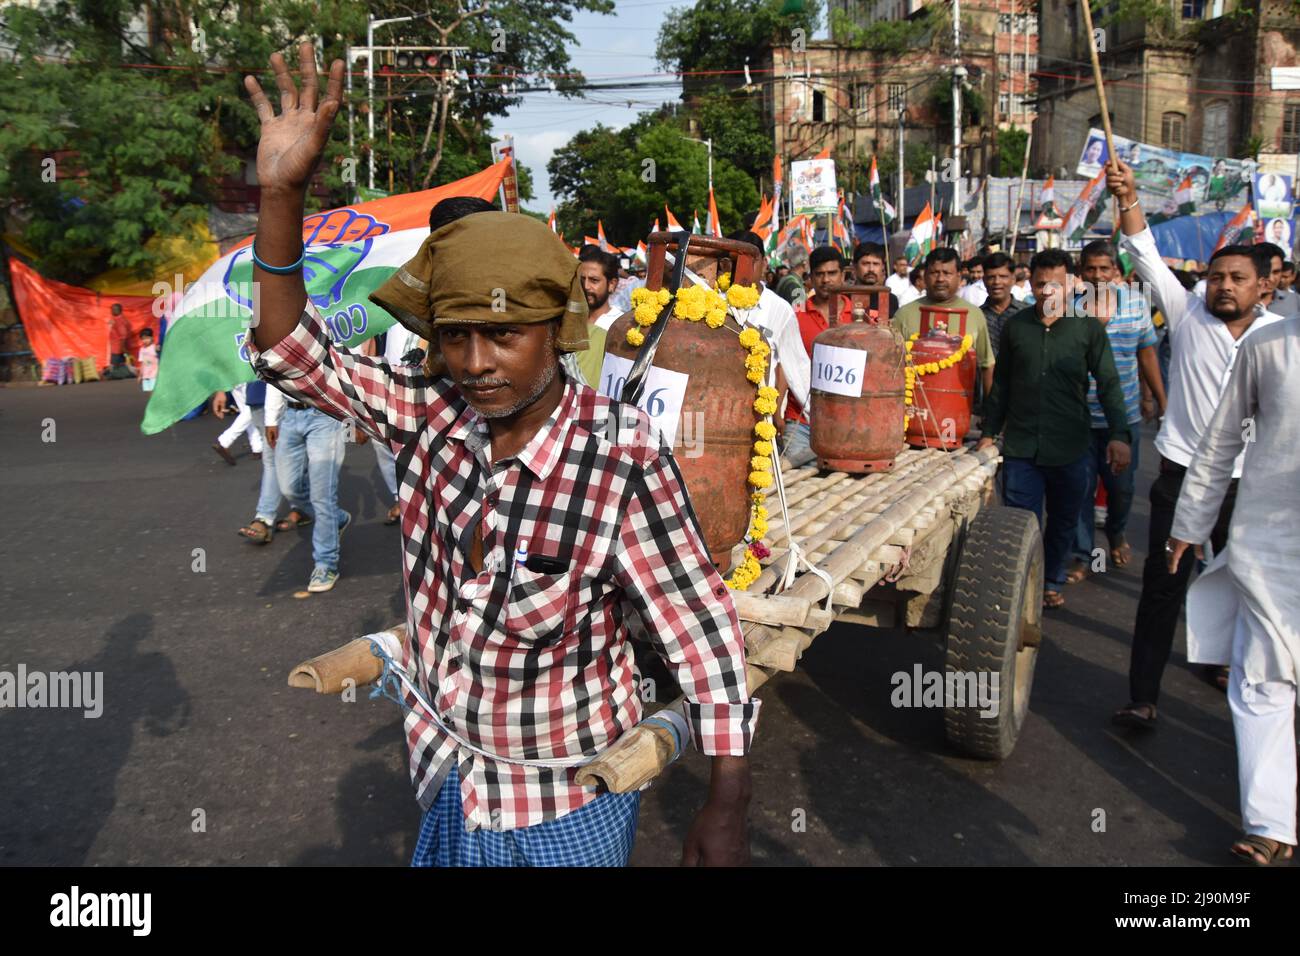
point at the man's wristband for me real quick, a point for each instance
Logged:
(279, 270)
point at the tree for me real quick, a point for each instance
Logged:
(734, 121)
(916, 162)
(723, 34)
(141, 126)
(624, 178)
(1011, 151)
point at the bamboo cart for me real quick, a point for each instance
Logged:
(922, 545)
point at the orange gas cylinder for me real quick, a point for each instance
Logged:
(942, 398)
(715, 436)
(857, 387)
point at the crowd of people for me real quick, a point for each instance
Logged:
(537, 542)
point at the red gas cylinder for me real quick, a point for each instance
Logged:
(718, 404)
(857, 387)
(941, 400)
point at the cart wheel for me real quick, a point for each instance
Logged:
(995, 626)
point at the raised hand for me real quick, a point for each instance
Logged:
(292, 143)
(1120, 181)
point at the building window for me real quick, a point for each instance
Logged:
(1004, 62)
(1018, 62)
(862, 97)
(1004, 23)
(1171, 130)
(819, 106)
(897, 97)
(1033, 63)
(1291, 129)
(1193, 9)
(1004, 102)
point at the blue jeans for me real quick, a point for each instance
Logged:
(1026, 486)
(313, 439)
(794, 443)
(1119, 493)
(268, 499)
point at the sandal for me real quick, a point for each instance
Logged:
(294, 519)
(1261, 851)
(394, 513)
(1137, 716)
(1077, 573)
(1053, 599)
(1216, 676)
(1121, 553)
(256, 531)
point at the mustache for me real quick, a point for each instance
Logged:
(482, 381)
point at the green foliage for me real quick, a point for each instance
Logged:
(916, 160)
(625, 177)
(1010, 145)
(1155, 13)
(888, 36)
(143, 128)
(1250, 149)
(939, 99)
(734, 121)
(720, 34)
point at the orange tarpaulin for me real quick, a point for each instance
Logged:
(64, 321)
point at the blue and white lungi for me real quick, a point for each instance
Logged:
(599, 834)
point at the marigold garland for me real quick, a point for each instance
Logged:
(911, 370)
(693, 304)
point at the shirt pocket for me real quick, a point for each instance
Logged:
(538, 606)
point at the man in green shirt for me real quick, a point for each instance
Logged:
(1039, 404)
(941, 283)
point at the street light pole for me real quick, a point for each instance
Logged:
(958, 72)
(709, 143)
(902, 213)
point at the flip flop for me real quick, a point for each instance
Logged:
(1120, 554)
(1053, 599)
(1136, 716)
(250, 533)
(394, 513)
(294, 519)
(1251, 847)
(1077, 574)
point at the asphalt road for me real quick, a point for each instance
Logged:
(97, 573)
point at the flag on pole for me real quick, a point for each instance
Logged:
(762, 222)
(886, 211)
(1183, 196)
(715, 227)
(655, 227)
(1240, 228)
(1048, 215)
(600, 237)
(672, 224)
(550, 221)
(1086, 209)
(846, 232)
(642, 253)
(695, 223)
(349, 253)
(776, 193)
(921, 240)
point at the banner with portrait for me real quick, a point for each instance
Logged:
(1216, 181)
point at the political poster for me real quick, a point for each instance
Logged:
(813, 189)
(1273, 196)
(1162, 172)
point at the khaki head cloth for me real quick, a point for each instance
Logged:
(488, 268)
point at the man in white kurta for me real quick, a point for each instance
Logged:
(1243, 610)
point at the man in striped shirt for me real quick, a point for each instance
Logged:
(1126, 316)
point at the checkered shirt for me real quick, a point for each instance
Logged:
(521, 664)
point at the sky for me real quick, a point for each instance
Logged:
(606, 46)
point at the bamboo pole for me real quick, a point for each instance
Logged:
(1020, 198)
(1097, 80)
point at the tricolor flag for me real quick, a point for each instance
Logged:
(672, 224)
(762, 222)
(776, 193)
(642, 253)
(695, 223)
(600, 237)
(1086, 209)
(550, 221)
(1239, 229)
(1048, 215)
(715, 225)
(350, 252)
(845, 231)
(878, 197)
(921, 241)
(655, 227)
(1184, 197)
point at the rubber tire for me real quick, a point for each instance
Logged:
(995, 625)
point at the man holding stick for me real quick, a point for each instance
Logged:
(533, 540)
(1205, 337)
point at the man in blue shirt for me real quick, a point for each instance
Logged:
(1126, 316)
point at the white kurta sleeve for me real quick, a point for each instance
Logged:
(274, 406)
(1168, 293)
(1210, 470)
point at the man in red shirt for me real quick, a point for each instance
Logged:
(827, 268)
